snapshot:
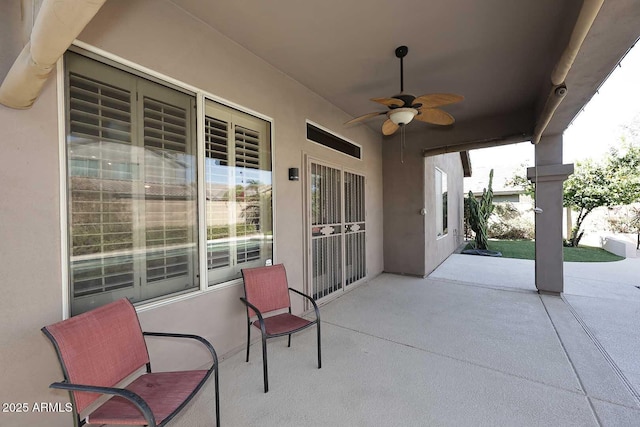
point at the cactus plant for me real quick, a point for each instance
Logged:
(479, 213)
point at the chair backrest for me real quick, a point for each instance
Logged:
(100, 347)
(266, 288)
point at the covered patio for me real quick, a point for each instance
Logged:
(409, 351)
(145, 221)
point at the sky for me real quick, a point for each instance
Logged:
(592, 132)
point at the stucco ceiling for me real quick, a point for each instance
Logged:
(498, 54)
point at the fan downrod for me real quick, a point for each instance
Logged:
(402, 51)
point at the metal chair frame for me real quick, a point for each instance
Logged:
(131, 396)
(266, 336)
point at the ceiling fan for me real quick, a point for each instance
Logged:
(404, 107)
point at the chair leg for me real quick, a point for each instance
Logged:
(264, 363)
(248, 338)
(217, 389)
(319, 352)
(289, 345)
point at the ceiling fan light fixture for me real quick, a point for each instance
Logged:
(402, 116)
(404, 107)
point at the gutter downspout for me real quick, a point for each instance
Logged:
(57, 25)
(587, 16)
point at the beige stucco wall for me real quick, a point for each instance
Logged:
(439, 248)
(403, 200)
(157, 35)
(410, 243)
(29, 241)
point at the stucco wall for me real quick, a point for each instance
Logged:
(29, 241)
(404, 197)
(157, 35)
(410, 243)
(439, 248)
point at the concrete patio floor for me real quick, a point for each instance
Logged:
(471, 345)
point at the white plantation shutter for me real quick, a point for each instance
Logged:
(247, 148)
(238, 183)
(101, 217)
(132, 189)
(99, 110)
(216, 187)
(166, 193)
(247, 154)
(216, 137)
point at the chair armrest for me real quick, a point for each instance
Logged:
(255, 309)
(315, 306)
(214, 368)
(206, 343)
(127, 394)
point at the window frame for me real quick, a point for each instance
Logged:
(235, 118)
(146, 102)
(442, 215)
(201, 96)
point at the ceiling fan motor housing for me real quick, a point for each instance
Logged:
(407, 99)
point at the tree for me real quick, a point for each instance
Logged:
(613, 182)
(479, 213)
(521, 181)
(584, 191)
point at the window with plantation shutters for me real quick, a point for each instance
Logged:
(101, 216)
(238, 192)
(131, 186)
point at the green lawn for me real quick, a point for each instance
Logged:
(525, 249)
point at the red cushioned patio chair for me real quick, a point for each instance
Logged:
(100, 348)
(266, 297)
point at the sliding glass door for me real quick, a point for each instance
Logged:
(336, 228)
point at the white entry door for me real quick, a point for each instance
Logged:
(336, 228)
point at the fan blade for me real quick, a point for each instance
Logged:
(437, 99)
(389, 102)
(389, 128)
(364, 117)
(434, 116)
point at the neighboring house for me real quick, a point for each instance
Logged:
(502, 192)
(155, 165)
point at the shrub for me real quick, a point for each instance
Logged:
(508, 223)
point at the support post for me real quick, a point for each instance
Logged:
(548, 174)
